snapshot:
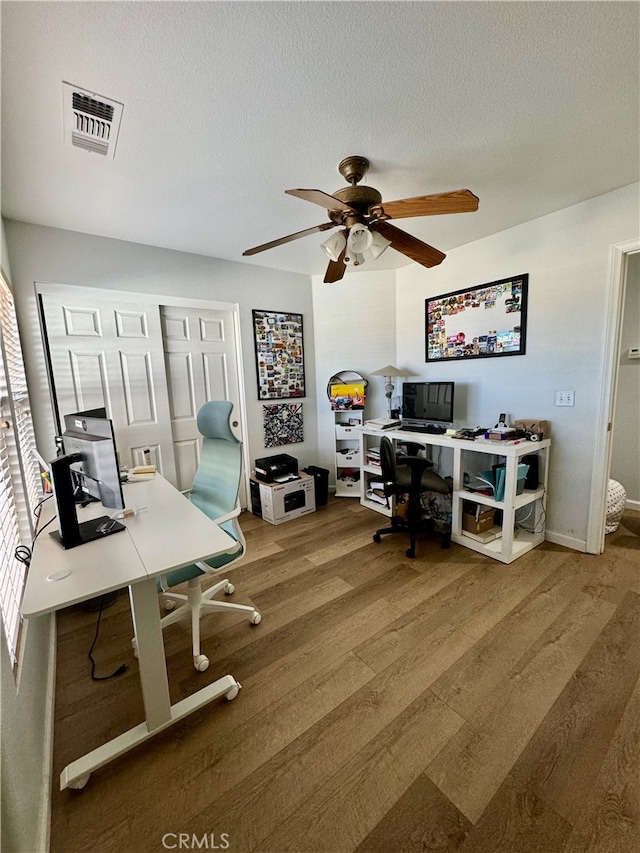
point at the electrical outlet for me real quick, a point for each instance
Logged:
(564, 398)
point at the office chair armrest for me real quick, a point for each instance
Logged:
(235, 512)
(419, 465)
(405, 459)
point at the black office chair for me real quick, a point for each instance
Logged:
(410, 475)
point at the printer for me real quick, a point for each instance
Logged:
(270, 469)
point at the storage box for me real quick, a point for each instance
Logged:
(280, 502)
(479, 521)
(500, 434)
(537, 428)
(347, 430)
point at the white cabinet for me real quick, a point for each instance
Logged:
(348, 456)
(519, 516)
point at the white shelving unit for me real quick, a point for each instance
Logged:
(518, 535)
(348, 454)
(371, 471)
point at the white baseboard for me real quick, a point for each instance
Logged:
(634, 505)
(566, 541)
(47, 768)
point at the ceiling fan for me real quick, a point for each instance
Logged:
(365, 221)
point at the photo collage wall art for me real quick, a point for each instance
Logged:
(279, 354)
(482, 321)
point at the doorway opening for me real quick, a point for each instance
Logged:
(620, 257)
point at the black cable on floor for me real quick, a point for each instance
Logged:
(119, 670)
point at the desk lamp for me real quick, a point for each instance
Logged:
(389, 372)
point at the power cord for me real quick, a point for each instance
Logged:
(23, 554)
(120, 669)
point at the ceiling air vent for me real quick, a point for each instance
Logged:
(90, 121)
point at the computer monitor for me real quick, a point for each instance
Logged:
(425, 403)
(88, 469)
(91, 434)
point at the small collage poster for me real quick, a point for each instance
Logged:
(282, 424)
(279, 354)
(488, 320)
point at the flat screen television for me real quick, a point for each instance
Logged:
(88, 470)
(425, 403)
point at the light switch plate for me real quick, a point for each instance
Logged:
(564, 398)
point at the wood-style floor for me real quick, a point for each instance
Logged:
(447, 703)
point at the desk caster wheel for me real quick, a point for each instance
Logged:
(231, 695)
(410, 553)
(256, 619)
(377, 537)
(169, 604)
(201, 663)
(79, 784)
(229, 589)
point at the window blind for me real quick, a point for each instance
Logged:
(19, 470)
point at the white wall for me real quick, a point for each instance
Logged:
(41, 254)
(566, 255)
(625, 449)
(355, 329)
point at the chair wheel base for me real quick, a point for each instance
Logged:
(410, 552)
(256, 619)
(377, 537)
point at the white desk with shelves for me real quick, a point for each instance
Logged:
(514, 541)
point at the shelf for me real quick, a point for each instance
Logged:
(378, 507)
(523, 542)
(524, 499)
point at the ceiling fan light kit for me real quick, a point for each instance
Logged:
(335, 245)
(363, 215)
(379, 244)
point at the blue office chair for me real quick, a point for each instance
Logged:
(215, 492)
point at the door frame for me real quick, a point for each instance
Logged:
(177, 302)
(618, 257)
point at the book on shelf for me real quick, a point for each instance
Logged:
(485, 536)
(383, 423)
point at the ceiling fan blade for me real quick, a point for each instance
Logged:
(336, 269)
(324, 227)
(410, 246)
(458, 201)
(325, 200)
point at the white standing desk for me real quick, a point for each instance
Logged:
(170, 534)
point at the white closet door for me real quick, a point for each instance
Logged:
(201, 364)
(108, 352)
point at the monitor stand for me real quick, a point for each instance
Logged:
(70, 533)
(88, 531)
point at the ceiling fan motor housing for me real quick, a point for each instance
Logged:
(359, 198)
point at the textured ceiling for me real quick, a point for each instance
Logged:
(531, 105)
